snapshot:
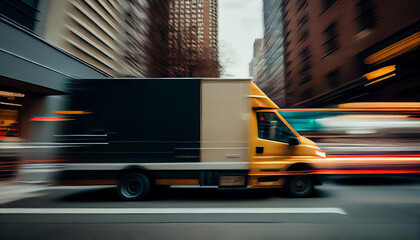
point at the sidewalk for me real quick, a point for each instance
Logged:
(14, 190)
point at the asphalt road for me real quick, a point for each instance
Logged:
(373, 208)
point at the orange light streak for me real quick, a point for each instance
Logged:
(365, 172)
(72, 112)
(50, 119)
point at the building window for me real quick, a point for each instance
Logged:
(303, 21)
(288, 82)
(305, 78)
(305, 54)
(304, 36)
(306, 67)
(333, 78)
(307, 94)
(287, 54)
(301, 4)
(287, 35)
(366, 18)
(327, 4)
(286, 44)
(331, 35)
(285, 25)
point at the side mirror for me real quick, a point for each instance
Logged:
(293, 141)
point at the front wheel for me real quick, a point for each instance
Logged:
(133, 186)
(299, 186)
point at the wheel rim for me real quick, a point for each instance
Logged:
(132, 187)
(301, 185)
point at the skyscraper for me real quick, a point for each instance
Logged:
(193, 49)
(269, 73)
(256, 66)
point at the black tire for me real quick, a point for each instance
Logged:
(133, 186)
(299, 186)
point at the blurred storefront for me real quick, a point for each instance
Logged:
(10, 106)
(32, 81)
(32, 84)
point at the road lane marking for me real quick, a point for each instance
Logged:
(330, 210)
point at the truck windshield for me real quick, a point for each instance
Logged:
(271, 127)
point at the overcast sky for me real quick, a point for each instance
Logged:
(240, 23)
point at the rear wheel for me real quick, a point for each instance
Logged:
(299, 186)
(133, 186)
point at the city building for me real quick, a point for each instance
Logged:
(256, 66)
(269, 72)
(331, 46)
(146, 39)
(46, 43)
(121, 38)
(90, 30)
(193, 42)
(32, 81)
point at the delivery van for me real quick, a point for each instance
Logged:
(138, 134)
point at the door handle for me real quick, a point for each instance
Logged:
(260, 149)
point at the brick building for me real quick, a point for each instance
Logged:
(192, 37)
(329, 46)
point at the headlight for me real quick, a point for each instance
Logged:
(320, 154)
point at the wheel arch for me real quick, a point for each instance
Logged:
(300, 166)
(136, 169)
(303, 166)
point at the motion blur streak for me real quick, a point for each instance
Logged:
(381, 79)
(394, 50)
(72, 112)
(405, 156)
(94, 182)
(364, 172)
(369, 164)
(380, 105)
(44, 161)
(50, 119)
(380, 72)
(36, 161)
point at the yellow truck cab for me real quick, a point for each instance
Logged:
(200, 131)
(279, 156)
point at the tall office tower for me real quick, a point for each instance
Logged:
(192, 38)
(270, 75)
(256, 66)
(331, 46)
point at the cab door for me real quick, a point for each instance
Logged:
(273, 146)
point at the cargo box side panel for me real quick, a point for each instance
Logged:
(157, 119)
(144, 121)
(225, 121)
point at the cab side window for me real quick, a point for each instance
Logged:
(271, 127)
